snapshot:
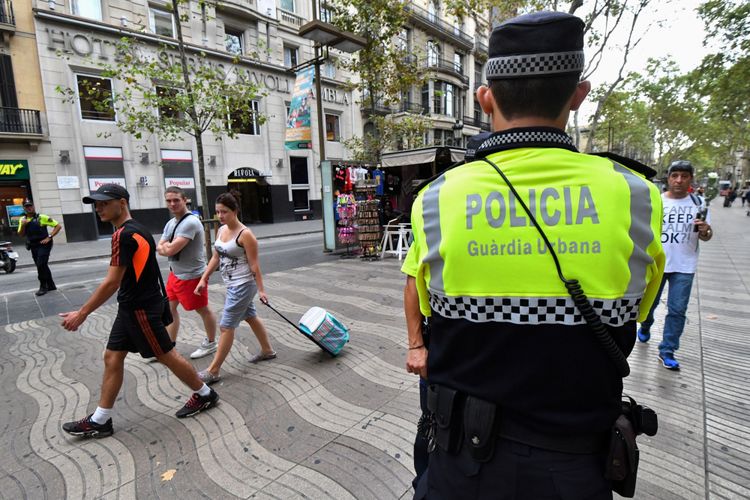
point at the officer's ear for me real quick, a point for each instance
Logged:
(486, 100)
(582, 90)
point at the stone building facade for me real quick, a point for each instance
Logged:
(258, 38)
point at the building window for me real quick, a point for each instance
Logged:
(249, 125)
(458, 62)
(288, 5)
(332, 128)
(458, 26)
(300, 183)
(167, 96)
(87, 8)
(478, 74)
(95, 98)
(162, 22)
(426, 98)
(445, 100)
(233, 41)
(290, 56)
(433, 53)
(329, 69)
(433, 10)
(326, 14)
(403, 40)
(8, 96)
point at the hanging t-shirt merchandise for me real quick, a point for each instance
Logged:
(678, 236)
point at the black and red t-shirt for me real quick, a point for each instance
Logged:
(134, 248)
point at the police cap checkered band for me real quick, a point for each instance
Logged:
(536, 45)
(534, 65)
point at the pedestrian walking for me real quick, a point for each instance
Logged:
(236, 255)
(139, 325)
(523, 394)
(182, 242)
(35, 226)
(686, 222)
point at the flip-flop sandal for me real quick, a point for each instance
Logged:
(207, 377)
(262, 357)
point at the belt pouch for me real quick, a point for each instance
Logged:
(443, 403)
(622, 458)
(479, 428)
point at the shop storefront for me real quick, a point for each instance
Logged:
(14, 189)
(255, 195)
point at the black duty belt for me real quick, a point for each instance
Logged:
(464, 420)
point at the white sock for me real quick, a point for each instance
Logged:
(101, 415)
(204, 391)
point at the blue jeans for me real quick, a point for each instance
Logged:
(680, 285)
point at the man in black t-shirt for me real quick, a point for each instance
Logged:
(138, 326)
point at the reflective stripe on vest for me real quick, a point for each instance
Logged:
(498, 268)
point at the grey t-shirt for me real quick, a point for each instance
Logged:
(192, 259)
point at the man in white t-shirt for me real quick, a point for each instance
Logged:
(183, 242)
(686, 221)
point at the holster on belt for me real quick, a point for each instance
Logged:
(480, 428)
(622, 458)
(445, 404)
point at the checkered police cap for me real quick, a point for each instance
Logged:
(536, 45)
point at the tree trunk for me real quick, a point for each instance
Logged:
(197, 132)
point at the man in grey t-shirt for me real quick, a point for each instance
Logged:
(183, 243)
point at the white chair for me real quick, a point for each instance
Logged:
(396, 239)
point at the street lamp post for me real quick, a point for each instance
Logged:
(325, 35)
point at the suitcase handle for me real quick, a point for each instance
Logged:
(284, 317)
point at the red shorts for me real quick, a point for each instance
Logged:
(183, 292)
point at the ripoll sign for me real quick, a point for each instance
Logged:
(14, 170)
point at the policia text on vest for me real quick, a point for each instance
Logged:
(567, 206)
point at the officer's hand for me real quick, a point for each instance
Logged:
(46, 240)
(416, 362)
(72, 320)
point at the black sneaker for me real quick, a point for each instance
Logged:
(197, 404)
(88, 428)
(40, 292)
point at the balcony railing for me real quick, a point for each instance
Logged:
(472, 121)
(444, 28)
(412, 107)
(6, 12)
(20, 121)
(291, 19)
(446, 65)
(481, 46)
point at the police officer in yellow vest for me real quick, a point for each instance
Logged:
(523, 394)
(34, 226)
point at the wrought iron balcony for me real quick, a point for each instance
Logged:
(481, 47)
(447, 66)
(416, 108)
(6, 13)
(20, 121)
(434, 23)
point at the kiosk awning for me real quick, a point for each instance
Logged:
(421, 156)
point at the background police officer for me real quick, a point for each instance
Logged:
(34, 226)
(523, 394)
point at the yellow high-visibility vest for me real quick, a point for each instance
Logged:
(477, 256)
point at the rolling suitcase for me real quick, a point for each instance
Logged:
(320, 327)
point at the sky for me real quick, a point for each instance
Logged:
(681, 36)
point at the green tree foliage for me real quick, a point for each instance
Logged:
(386, 69)
(164, 91)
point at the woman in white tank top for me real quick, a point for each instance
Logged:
(236, 255)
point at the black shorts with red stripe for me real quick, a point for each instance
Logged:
(140, 330)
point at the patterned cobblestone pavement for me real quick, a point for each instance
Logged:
(308, 425)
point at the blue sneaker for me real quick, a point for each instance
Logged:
(668, 361)
(643, 336)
